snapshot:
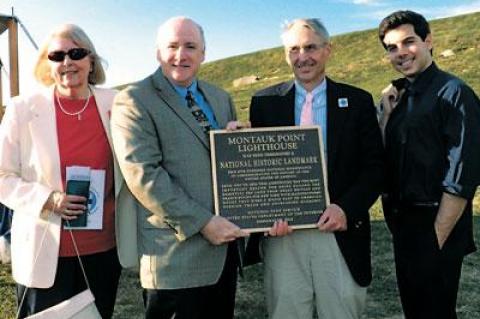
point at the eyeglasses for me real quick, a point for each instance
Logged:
(309, 48)
(74, 54)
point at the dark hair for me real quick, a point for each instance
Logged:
(398, 18)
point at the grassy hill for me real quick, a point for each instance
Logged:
(358, 59)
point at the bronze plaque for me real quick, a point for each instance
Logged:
(265, 174)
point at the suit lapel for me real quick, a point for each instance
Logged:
(104, 103)
(172, 100)
(217, 106)
(43, 130)
(335, 119)
(286, 107)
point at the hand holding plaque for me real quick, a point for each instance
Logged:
(219, 231)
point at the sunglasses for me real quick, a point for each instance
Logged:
(74, 54)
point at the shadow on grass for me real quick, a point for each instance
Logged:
(382, 299)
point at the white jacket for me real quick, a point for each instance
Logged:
(30, 171)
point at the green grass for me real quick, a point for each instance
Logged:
(7, 293)
(382, 299)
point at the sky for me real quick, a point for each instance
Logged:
(124, 32)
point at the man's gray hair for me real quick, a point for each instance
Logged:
(313, 24)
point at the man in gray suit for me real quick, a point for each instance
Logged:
(188, 256)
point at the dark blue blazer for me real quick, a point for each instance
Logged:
(354, 161)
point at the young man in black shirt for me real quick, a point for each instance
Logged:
(431, 125)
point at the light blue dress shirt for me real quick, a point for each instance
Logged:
(199, 99)
(319, 107)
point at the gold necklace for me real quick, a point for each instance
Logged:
(78, 113)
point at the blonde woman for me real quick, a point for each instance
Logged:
(43, 133)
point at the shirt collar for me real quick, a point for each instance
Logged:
(424, 79)
(319, 89)
(182, 91)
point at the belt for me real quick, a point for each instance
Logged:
(426, 204)
(408, 203)
(394, 207)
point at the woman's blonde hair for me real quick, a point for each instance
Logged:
(42, 70)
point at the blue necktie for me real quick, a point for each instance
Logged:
(198, 113)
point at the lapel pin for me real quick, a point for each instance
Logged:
(343, 102)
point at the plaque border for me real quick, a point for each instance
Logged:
(268, 129)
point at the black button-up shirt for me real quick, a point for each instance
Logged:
(434, 146)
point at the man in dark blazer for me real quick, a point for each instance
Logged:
(328, 267)
(188, 256)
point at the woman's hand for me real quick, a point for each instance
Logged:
(68, 207)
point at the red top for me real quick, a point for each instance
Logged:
(83, 142)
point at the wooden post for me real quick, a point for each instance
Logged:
(13, 52)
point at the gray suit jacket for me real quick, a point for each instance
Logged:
(165, 158)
